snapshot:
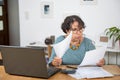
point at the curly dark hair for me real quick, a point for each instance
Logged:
(66, 25)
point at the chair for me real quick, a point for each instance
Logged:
(49, 48)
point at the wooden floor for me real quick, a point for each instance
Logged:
(1, 62)
(0, 56)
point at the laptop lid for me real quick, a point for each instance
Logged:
(24, 61)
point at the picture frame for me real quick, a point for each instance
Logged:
(88, 2)
(1, 2)
(46, 9)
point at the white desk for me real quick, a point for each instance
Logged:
(37, 44)
(113, 50)
(113, 56)
(45, 46)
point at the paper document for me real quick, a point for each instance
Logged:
(93, 57)
(62, 46)
(90, 72)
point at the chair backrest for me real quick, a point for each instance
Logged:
(49, 48)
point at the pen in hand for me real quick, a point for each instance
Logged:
(73, 67)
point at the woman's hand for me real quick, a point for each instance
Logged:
(101, 62)
(56, 61)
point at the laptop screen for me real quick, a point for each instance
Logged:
(24, 61)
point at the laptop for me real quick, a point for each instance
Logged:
(26, 61)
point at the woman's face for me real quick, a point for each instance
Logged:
(77, 32)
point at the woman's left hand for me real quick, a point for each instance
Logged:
(101, 62)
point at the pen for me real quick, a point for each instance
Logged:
(73, 67)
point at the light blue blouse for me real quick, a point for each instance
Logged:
(73, 57)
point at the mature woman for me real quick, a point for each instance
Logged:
(78, 45)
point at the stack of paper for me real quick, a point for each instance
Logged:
(92, 58)
(91, 72)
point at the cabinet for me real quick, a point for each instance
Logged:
(112, 56)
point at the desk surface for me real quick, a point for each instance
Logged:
(59, 76)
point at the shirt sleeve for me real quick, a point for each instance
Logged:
(89, 45)
(53, 54)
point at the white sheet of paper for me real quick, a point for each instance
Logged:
(62, 46)
(90, 72)
(93, 57)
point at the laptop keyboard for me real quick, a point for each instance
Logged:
(52, 70)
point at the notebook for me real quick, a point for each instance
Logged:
(26, 61)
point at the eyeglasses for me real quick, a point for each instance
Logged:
(75, 30)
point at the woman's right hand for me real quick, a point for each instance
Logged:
(56, 61)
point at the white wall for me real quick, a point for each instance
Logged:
(96, 17)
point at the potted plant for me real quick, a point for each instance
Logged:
(113, 32)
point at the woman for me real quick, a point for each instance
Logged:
(78, 45)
